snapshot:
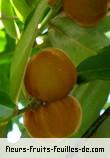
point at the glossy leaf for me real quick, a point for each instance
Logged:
(89, 40)
(96, 67)
(23, 51)
(80, 43)
(92, 97)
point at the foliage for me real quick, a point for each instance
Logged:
(21, 24)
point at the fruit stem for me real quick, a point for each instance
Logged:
(32, 104)
(89, 133)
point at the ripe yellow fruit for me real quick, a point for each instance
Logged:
(86, 12)
(58, 119)
(50, 75)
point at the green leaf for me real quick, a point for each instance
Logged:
(7, 18)
(6, 106)
(79, 43)
(21, 8)
(2, 130)
(8, 128)
(5, 112)
(104, 130)
(2, 40)
(32, 3)
(4, 77)
(5, 58)
(104, 27)
(23, 51)
(5, 100)
(5, 128)
(10, 44)
(92, 97)
(96, 67)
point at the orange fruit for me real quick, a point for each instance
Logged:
(108, 3)
(50, 75)
(86, 12)
(58, 119)
(52, 2)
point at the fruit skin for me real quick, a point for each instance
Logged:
(50, 75)
(86, 12)
(51, 2)
(58, 119)
(109, 4)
